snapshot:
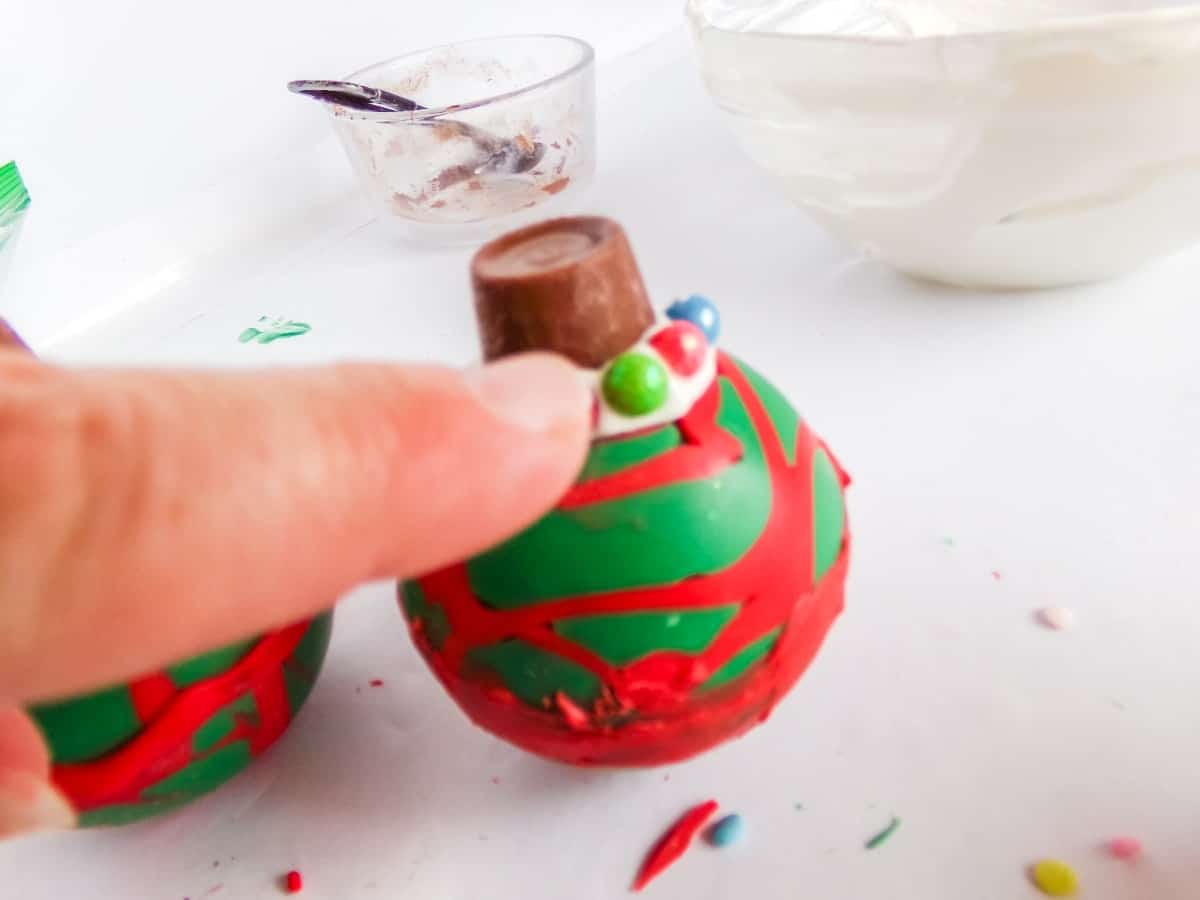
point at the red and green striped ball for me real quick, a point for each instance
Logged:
(666, 604)
(149, 746)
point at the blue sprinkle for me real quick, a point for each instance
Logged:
(726, 831)
(701, 312)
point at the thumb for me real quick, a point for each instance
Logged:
(148, 515)
(27, 800)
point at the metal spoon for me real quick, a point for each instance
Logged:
(497, 155)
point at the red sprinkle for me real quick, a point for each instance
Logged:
(376, 682)
(293, 882)
(674, 843)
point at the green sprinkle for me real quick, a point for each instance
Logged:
(880, 839)
(267, 329)
(635, 384)
(13, 195)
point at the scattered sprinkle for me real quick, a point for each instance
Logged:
(1126, 848)
(575, 717)
(292, 882)
(1056, 618)
(495, 779)
(799, 807)
(268, 329)
(674, 843)
(996, 576)
(726, 831)
(880, 839)
(376, 682)
(1054, 878)
(948, 541)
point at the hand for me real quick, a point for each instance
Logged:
(146, 516)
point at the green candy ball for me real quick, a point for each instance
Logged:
(635, 384)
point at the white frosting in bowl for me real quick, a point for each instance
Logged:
(1001, 143)
(915, 18)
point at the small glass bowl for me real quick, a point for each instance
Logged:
(428, 171)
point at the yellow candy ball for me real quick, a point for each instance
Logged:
(1054, 878)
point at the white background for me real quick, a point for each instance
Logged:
(1050, 437)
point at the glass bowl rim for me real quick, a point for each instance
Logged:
(587, 56)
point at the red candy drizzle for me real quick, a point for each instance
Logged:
(151, 695)
(165, 747)
(674, 843)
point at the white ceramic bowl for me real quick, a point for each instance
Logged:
(990, 143)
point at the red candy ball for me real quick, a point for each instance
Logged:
(682, 345)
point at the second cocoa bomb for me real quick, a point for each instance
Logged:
(689, 576)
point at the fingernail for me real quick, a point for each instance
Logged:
(536, 392)
(30, 803)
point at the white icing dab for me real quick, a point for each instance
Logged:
(683, 391)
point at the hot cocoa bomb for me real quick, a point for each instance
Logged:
(687, 579)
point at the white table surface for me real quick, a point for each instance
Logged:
(1009, 452)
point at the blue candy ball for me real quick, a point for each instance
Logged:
(727, 831)
(701, 312)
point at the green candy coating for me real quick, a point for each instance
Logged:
(622, 638)
(635, 384)
(658, 534)
(610, 457)
(86, 729)
(82, 728)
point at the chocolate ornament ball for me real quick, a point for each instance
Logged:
(689, 576)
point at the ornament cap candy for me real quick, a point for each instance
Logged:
(567, 286)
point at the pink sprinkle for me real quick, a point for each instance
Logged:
(376, 682)
(1056, 618)
(996, 575)
(495, 779)
(1126, 848)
